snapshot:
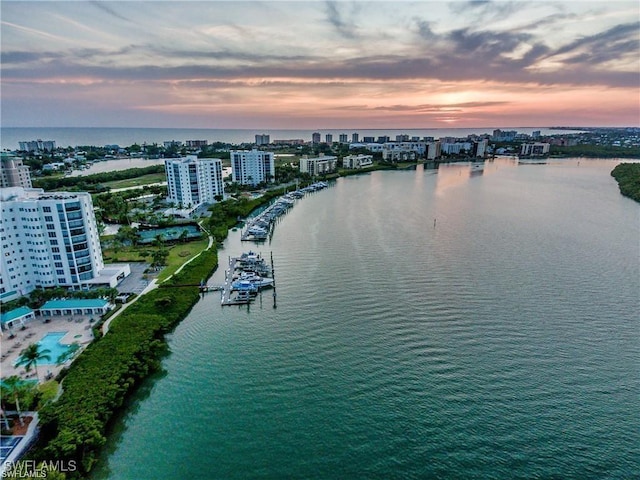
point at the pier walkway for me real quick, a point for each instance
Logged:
(228, 280)
(242, 298)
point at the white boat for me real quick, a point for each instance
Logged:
(244, 286)
(256, 279)
(255, 230)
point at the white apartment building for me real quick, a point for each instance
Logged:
(372, 147)
(38, 146)
(357, 161)
(456, 148)
(399, 156)
(403, 151)
(534, 149)
(193, 181)
(13, 173)
(319, 165)
(480, 148)
(252, 167)
(48, 240)
(263, 139)
(433, 150)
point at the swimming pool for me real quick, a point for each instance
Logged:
(51, 342)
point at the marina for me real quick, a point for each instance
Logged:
(246, 276)
(260, 227)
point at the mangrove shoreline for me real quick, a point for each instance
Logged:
(628, 177)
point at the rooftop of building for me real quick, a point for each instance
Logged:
(13, 314)
(21, 193)
(189, 159)
(74, 303)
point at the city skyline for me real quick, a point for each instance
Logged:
(319, 65)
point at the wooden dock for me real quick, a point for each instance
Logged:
(228, 299)
(226, 289)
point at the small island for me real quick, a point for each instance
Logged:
(628, 177)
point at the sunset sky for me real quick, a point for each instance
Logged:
(312, 64)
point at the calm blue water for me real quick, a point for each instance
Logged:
(501, 342)
(64, 137)
(51, 342)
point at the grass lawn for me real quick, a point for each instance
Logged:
(178, 254)
(138, 181)
(49, 390)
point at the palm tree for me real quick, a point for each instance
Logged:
(30, 356)
(14, 386)
(68, 353)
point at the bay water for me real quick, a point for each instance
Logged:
(465, 322)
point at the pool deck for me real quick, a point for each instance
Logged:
(77, 328)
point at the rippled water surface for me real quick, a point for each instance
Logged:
(469, 323)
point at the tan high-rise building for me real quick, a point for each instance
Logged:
(13, 173)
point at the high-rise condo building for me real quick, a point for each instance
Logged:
(38, 146)
(263, 139)
(252, 167)
(193, 181)
(48, 240)
(196, 143)
(13, 173)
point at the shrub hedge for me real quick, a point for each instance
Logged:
(97, 383)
